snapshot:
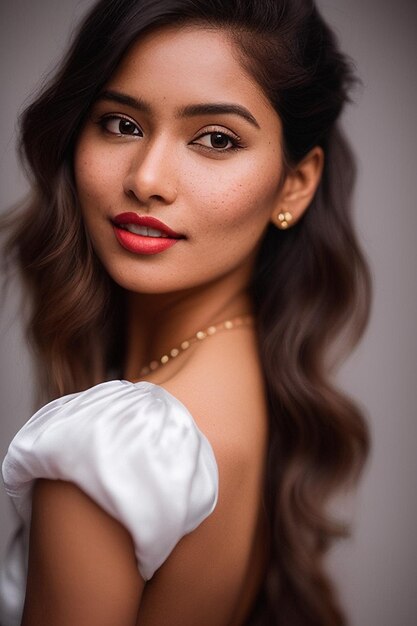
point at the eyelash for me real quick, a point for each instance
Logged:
(109, 118)
(234, 139)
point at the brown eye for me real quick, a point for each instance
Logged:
(120, 126)
(127, 128)
(219, 140)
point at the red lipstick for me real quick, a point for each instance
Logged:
(141, 243)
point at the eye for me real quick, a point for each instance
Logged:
(118, 125)
(218, 141)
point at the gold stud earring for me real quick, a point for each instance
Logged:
(284, 219)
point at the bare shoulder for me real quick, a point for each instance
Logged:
(222, 387)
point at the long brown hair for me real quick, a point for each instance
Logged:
(310, 283)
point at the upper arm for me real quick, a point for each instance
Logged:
(82, 565)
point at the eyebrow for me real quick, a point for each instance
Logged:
(121, 98)
(191, 110)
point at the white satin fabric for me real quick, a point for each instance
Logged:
(134, 449)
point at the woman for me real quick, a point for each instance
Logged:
(189, 179)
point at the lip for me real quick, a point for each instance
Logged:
(141, 244)
(146, 220)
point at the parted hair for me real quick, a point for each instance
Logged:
(310, 285)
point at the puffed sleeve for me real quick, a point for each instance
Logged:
(134, 449)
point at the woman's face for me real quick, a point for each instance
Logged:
(182, 134)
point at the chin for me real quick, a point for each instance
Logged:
(131, 281)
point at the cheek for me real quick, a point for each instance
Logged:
(97, 176)
(240, 199)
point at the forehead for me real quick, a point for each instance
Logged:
(183, 64)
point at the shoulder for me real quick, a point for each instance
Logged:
(223, 389)
(134, 450)
(222, 386)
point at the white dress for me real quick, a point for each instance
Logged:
(134, 449)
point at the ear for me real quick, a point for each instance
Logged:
(298, 189)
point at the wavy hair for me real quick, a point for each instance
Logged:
(310, 284)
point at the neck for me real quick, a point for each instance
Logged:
(158, 322)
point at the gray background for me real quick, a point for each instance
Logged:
(376, 570)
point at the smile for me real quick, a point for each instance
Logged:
(142, 230)
(143, 234)
(145, 225)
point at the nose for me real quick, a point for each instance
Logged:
(152, 173)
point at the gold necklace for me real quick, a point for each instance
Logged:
(229, 324)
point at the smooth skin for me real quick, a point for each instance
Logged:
(217, 177)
